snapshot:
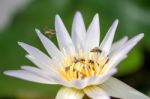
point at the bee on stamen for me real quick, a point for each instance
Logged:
(67, 68)
(81, 59)
(107, 61)
(97, 63)
(78, 74)
(74, 70)
(96, 50)
(91, 61)
(75, 60)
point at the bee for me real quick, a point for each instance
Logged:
(75, 60)
(91, 61)
(107, 60)
(82, 60)
(50, 32)
(96, 50)
(78, 60)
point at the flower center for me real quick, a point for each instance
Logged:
(83, 65)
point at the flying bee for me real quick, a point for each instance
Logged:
(50, 32)
(96, 50)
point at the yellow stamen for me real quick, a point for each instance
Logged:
(83, 65)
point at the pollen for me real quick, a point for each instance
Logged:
(83, 65)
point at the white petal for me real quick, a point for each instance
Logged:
(51, 76)
(108, 39)
(79, 84)
(93, 34)
(121, 53)
(22, 74)
(35, 52)
(34, 70)
(37, 56)
(39, 72)
(64, 40)
(118, 89)
(113, 62)
(95, 92)
(105, 76)
(78, 31)
(49, 68)
(101, 78)
(118, 44)
(41, 64)
(129, 45)
(94, 80)
(69, 93)
(49, 46)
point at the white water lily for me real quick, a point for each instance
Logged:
(82, 65)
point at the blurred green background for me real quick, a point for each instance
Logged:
(134, 18)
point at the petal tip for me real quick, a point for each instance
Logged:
(20, 43)
(58, 22)
(37, 30)
(78, 13)
(78, 17)
(116, 22)
(7, 72)
(141, 34)
(138, 37)
(125, 38)
(97, 15)
(57, 17)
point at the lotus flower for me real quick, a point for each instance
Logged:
(81, 64)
